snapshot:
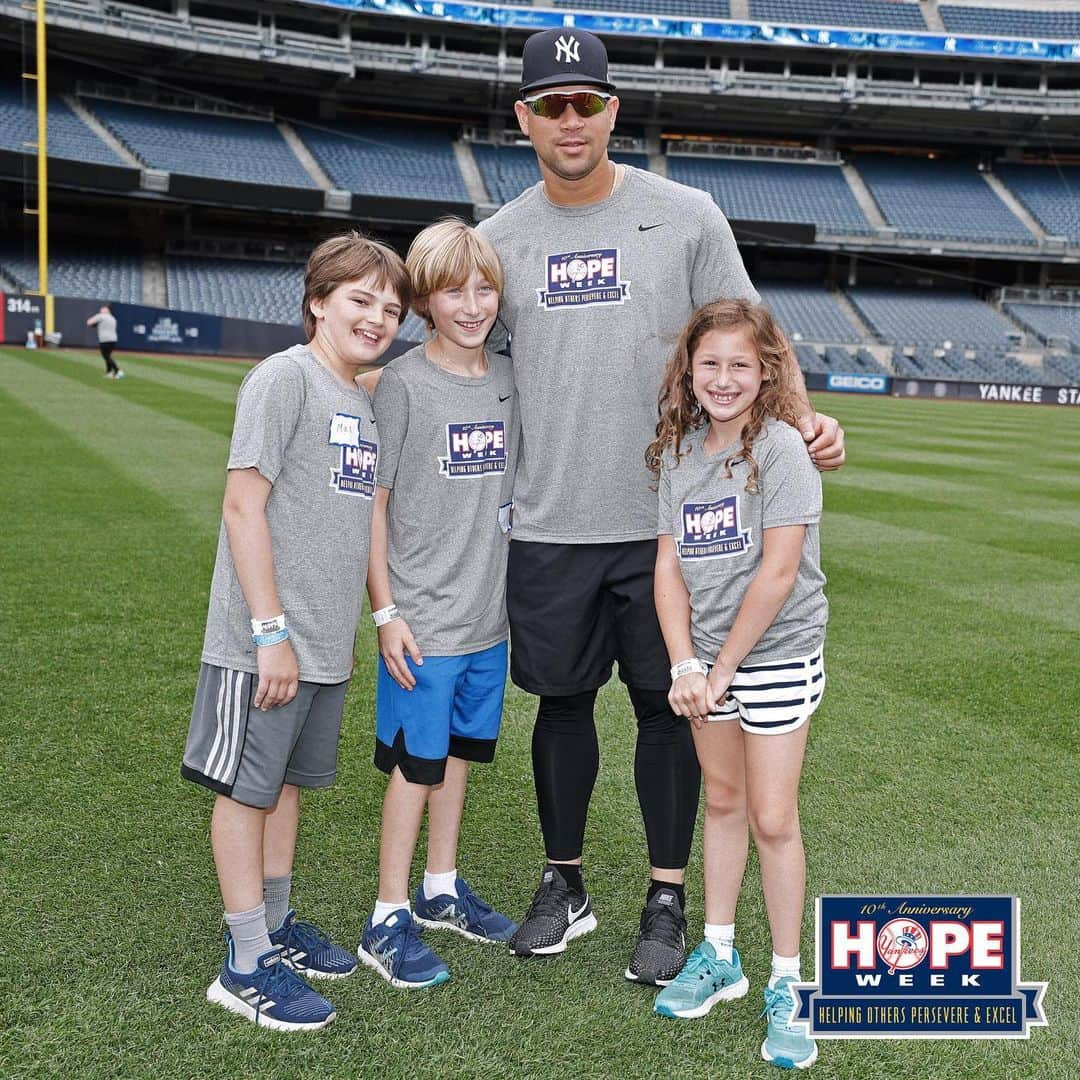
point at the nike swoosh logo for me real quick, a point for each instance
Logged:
(573, 915)
(507, 398)
(646, 228)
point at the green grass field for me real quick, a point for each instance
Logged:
(944, 759)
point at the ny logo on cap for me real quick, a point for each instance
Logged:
(566, 50)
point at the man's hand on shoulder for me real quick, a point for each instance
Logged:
(825, 440)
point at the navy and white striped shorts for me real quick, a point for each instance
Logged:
(773, 698)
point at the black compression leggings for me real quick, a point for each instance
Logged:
(566, 758)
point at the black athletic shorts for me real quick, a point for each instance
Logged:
(575, 609)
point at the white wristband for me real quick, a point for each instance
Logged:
(385, 615)
(688, 667)
(268, 626)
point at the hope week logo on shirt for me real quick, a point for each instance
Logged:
(712, 530)
(580, 278)
(474, 449)
(356, 474)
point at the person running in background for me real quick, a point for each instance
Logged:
(105, 321)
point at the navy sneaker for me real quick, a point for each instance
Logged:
(394, 949)
(464, 913)
(272, 996)
(306, 949)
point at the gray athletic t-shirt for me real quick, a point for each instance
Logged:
(106, 326)
(716, 524)
(448, 444)
(595, 297)
(315, 441)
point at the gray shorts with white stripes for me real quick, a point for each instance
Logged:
(774, 697)
(249, 754)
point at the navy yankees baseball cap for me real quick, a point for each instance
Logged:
(563, 58)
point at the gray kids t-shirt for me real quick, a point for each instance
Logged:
(315, 440)
(448, 445)
(595, 297)
(717, 524)
(106, 326)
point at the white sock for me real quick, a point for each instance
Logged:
(383, 910)
(722, 938)
(440, 884)
(782, 967)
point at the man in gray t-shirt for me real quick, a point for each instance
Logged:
(603, 264)
(105, 321)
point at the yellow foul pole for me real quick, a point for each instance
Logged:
(43, 170)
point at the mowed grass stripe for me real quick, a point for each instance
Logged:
(1044, 591)
(212, 414)
(1026, 506)
(227, 371)
(971, 526)
(178, 456)
(188, 379)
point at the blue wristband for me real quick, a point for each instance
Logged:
(271, 639)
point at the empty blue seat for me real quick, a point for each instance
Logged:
(1011, 22)
(775, 191)
(867, 14)
(79, 272)
(239, 288)
(68, 136)
(807, 312)
(400, 160)
(939, 200)
(201, 144)
(1051, 193)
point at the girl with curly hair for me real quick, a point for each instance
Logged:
(738, 591)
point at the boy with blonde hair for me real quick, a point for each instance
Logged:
(448, 422)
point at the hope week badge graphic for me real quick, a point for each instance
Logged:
(474, 449)
(712, 530)
(579, 278)
(356, 475)
(918, 967)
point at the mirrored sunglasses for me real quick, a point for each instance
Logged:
(585, 103)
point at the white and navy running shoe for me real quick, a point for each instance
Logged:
(661, 945)
(464, 913)
(555, 917)
(306, 949)
(395, 950)
(272, 996)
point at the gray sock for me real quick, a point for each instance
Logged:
(276, 898)
(250, 939)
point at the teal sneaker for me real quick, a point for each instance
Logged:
(703, 982)
(785, 1044)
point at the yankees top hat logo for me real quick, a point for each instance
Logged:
(567, 50)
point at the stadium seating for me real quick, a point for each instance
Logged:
(940, 200)
(398, 161)
(772, 191)
(198, 144)
(68, 136)
(1051, 193)
(1062, 370)
(509, 170)
(1049, 321)
(677, 9)
(921, 317)
(113, 277)
(868, 14)
(807, 312)
(1011, 22)
(240, 288)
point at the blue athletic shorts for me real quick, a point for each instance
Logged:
(455, 709)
